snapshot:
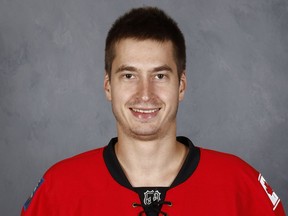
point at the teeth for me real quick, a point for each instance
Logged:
(145, 111)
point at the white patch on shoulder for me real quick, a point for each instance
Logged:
(269, 191)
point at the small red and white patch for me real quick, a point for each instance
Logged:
(269, 191)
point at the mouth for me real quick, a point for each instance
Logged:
(145, 114)
(145, 111)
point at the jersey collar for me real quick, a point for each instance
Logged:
(116, 171)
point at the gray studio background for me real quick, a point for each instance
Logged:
(52, 105)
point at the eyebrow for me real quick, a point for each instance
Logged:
(162, 68)
(134, 69)
(126, 68)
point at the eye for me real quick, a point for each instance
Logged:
(160, 76)
(128, 76)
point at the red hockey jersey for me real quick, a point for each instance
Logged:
(209, 183)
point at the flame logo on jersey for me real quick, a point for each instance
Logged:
(151, 196)
(269, 191)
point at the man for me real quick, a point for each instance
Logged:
(147, 170)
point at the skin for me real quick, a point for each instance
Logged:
(145, 91)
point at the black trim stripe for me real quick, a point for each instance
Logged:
(114, 166)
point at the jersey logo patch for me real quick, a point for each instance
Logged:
(151, 196)
(269, 191)
(27, 203)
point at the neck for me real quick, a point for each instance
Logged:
(150, 163)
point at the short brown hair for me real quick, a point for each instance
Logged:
(146, 23)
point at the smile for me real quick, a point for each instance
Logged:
(145, 111)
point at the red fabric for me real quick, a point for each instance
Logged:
(221, 185)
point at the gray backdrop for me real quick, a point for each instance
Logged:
(52, 105)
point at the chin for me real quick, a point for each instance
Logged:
(145, 135)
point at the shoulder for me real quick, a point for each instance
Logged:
(223, 169)
(235, 176)
(60, 182)
(224, 161)
(77, 165)
(84, 172)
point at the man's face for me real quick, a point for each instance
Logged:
(144, 88)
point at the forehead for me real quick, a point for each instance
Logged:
(130, 43)
(146, 51)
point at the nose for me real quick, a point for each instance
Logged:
(145, 90)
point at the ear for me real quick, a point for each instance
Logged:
(182, 86)
(107, 87)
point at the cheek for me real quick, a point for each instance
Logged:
(120, 96)
(125, 90)
(169, 95)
